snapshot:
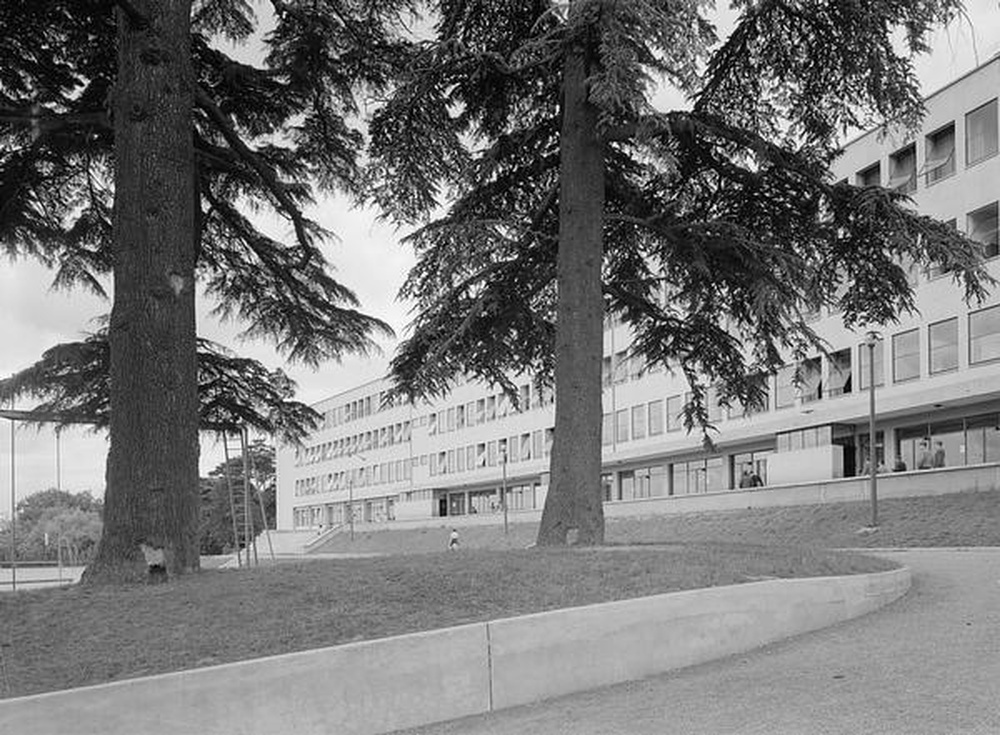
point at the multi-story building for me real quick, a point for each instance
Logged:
(937, 378)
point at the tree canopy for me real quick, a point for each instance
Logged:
(136, 143)
(709, 230)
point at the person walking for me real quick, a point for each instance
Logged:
(453, 540)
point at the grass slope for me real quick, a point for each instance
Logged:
(959, 519)
(55, 639)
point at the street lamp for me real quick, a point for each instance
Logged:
(503, 489)
(871, 339)
(350, 495)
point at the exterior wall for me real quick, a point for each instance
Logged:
(806, 440)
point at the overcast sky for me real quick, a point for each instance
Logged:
(367, 258)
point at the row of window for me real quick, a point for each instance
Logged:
(805, 383)
(373, 510)
(357, 409)
(383, 473)
(484, 410)
(939, 153)
(520, 448)
(383, 437)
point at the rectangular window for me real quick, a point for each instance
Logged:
(524, 398)
(906, 355)
(638, 367)
(460, 417)
(655, 420)
(939, 155)
(811, 374)
(943, 340)
(903, 170)
(639, 422)
(785, 390)
(863, 369)
(871, 176)
(491, 453)
(982, 227)
(984, 335)
(934, 270)
(621, 425)
(607, 429)
(841, 378)
(491, 408)
(981, 133)
(712, 405)
(606, 371)
(621, 367)
(674, 418)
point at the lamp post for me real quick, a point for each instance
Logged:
(350, 502)
(13, 505)
(871, 339)
(350, 494)
(503, 489)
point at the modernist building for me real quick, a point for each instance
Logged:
(937, 376)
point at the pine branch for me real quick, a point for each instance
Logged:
(267, 175)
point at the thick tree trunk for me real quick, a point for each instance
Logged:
(574, 497)
(150, 508)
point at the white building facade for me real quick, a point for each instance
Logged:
(937, 384)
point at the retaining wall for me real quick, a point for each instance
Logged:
(404, 681)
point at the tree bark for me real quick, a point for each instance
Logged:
(574, 496)
(152, 470)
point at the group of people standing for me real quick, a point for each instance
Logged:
(926, 459)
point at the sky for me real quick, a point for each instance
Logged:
(367, 257)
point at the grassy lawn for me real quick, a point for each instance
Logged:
(55, 639)
(959, 519)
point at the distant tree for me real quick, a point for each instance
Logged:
(216, 510)
(132, 143)
(709, 231)
(52, 518)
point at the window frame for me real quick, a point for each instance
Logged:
(931, 143)
(896, 340)
(969, 162)
(972, 314)
(930, 346)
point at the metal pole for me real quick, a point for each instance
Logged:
(232, 500)
(248, 526)
(58, 463)
(872, 456)
(350, 501)
(13, 509)
(503, 491)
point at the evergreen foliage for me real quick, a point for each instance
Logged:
(105, 106)
(719, 229)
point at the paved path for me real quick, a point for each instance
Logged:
(927, 664)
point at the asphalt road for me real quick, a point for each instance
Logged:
(927, 664)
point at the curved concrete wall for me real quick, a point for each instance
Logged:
(392, 683)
